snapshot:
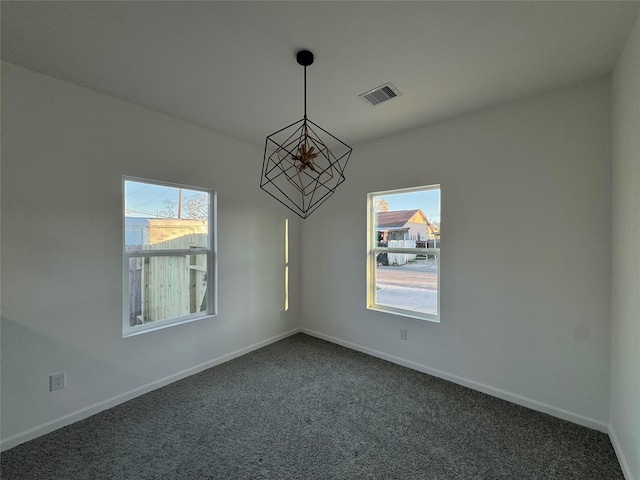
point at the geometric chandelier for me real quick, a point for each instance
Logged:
(303, 163)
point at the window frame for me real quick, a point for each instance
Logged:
(211, 262)
(373, 250)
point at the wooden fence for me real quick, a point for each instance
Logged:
(168, 286)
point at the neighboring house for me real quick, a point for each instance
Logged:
(405, 225)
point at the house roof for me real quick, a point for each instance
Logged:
(397, 219)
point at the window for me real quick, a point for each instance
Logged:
(403, 267)
(169, 255)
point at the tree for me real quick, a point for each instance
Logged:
(168, 212)
(381, 205)
(197, 207)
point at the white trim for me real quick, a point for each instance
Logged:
(427, 317)
(183, 252)
(166, 323)
(83, 413)
(417, 251)
(622, 460)
(495, 392)
(405, 190)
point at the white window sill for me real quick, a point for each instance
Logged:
(160, 325)
(405, 313)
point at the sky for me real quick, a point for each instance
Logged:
(427, 200)
(147, 200)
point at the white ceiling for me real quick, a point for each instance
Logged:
(230, 66)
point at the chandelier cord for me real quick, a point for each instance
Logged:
(305, 92)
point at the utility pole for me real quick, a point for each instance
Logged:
(180, 203)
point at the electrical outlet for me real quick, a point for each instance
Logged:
(57, 381)
(403, 334)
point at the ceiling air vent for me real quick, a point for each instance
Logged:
(380, 94)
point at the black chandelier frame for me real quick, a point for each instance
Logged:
(303, 163)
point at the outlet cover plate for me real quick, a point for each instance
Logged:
(57, 381)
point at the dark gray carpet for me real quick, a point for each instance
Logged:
(302, 409)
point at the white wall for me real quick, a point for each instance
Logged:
(64, 150)
(625, 312)
(525, 252)
(525, 263)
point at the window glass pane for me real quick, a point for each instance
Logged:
(412, 217)
(407, 281)
(405, 219)
(162, 217)
(166, 287)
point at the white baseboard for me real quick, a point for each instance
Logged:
(83, 413)
(495, 392)
(624, 465)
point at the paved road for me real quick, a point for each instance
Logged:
(418, 275)
(411, 287)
